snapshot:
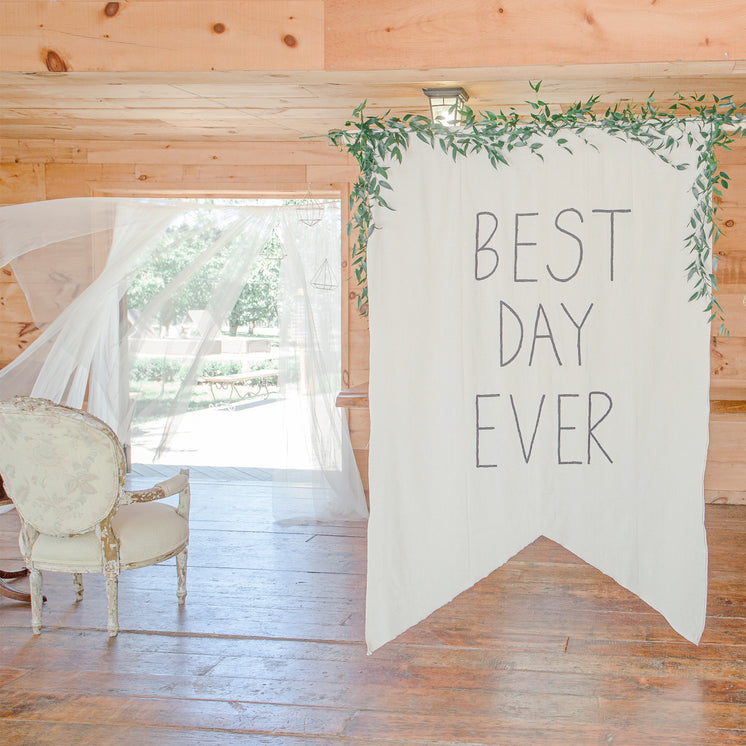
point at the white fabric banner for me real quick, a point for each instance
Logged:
(536, 369)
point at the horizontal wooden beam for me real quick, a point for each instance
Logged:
(273, 153)
(236, 106)
(167, 35)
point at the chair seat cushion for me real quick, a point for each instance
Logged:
(146, 532)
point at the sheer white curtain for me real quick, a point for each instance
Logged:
(237, 236)
(310, 374)
(74, 259)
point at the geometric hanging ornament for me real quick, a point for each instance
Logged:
(324, 277)
(310, 211)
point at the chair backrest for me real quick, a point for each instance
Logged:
(63, 468)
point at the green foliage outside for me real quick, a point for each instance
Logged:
(257, 304)
(154, 382)
(168, 371)
(181, 246)
(215, 368)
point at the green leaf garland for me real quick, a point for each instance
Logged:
(372, 140)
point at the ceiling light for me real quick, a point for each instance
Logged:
(446, 104)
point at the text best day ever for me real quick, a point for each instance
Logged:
(575, 418)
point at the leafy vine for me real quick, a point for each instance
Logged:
(373, 141)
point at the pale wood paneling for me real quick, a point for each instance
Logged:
(65, 180)
(41, 151)
(734, 309)
(17, 329)
(359, 419)
(94, 35)
(307, 153)
(392, 34)
(731, 269)
(728, 361)
(725, 480)
(21, 182)
(725, 475)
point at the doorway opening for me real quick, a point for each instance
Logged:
(237, 388)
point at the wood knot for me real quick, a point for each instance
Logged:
(143, 177)
(219, 28)
(54, 63)
(730, 223)
(501, 10)
(589, 19)
(289, 40)
(111, 9)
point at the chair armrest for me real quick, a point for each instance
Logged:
(177, 484)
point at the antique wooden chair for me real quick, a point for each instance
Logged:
(64, 470)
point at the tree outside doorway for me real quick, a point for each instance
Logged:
(159, 369)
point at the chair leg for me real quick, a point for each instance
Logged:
(35, 582)
(112, 603)
(181, 572)
(78, 585)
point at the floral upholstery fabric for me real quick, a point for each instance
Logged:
(61, 473)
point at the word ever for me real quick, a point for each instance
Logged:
(599, 406)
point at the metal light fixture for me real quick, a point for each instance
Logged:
(446, 104)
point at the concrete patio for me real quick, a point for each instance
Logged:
(258, 433)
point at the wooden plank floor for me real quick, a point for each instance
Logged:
(269, 648)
